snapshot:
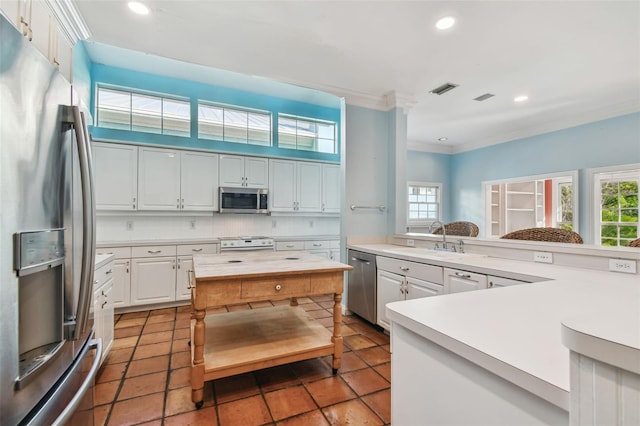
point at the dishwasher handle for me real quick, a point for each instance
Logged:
(366, 262)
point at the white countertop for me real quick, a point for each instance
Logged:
(103, 259)
(516, 331)
(133, 243)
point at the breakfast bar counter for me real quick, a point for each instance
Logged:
(237, 342)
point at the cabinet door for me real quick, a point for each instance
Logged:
(153, 280)
(40, 25)
(309, 187)
(231, 170)
(323, 253)
(330, 188)
(417, 288)
(389, 290)
(98, 317)
(458, 281)
(115, 170)
(13, 10)
(334, 255)
(256, 172)
(494, 282)
(185, 264)
(159, 179)
(282, 181)
(199, 181)
(61, 50)
(121, 283)
(107, 318)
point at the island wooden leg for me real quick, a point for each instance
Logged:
(197, 366)
(294, 302)
(337, 332)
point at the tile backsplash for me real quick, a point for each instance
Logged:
(157, 227)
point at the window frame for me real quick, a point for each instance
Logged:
(161, 97)
(235, 108)
(412, 223)
(595, 202)
(309, 120)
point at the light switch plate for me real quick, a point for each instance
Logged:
(411, 243)
(542, 257)
(622, 265)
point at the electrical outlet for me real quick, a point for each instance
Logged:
(411, 243)
(622, 265)
(129, 225)
(542, 257)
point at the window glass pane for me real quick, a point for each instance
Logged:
(176, 117)
(305, 143)
(235, 126)
(259, 132)
(628, 215)
(307, 135)
(210, 122)
(146, 113)
(326, 131)
(327, 146)
(114, 109)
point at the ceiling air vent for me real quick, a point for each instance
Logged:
(441, 90)
(484, 97)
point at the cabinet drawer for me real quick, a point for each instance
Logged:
(502, 282)
(420, 271)
(153, 251)
(289, 245)
(319, 245)
(189, 249)
(275, 287)
(117, 252)
(102, 275)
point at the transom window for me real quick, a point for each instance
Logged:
(423, 203)
(231, 124)
(124, 110)
(306, 134)
(617, 193)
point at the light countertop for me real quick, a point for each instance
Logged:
(103, 259)
(516, 331)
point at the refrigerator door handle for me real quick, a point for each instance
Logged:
(86, 384)
(88, 222)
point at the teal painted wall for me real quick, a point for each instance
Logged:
(614, 141)
(144, 82)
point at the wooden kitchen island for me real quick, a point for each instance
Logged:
(237, 342)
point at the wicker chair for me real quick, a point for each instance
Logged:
(555, 235)
(634, 243)
(462, 229)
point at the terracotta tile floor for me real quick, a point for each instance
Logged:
(146, 377)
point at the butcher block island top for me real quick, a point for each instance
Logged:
(237, 342)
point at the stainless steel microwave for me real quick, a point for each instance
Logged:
(244, 200)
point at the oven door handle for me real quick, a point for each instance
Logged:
(88, 382)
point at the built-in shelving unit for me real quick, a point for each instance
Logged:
(516, 205)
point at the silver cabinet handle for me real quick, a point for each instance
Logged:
(361, 260)
(109, 272)
(289, 246)
(463, 275)
(317, 244)
(154, 251)
(198, 250)
(404, 268)
(134, 203)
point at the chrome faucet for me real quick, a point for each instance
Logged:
(444, 236)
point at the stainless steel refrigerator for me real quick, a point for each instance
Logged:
(48, 357)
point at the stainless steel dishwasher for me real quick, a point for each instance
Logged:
(361, 293)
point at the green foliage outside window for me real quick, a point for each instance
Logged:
(619, 212)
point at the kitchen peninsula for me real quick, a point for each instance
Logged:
(522, 354)
(237, 342)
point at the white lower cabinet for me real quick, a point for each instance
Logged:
(153, 280)
(495, 282)
(122, 282)
(325, 248)
(103, 309)
(185, 266)
(456, 281)
(409, 280)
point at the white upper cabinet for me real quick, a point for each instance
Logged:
(330, 188)
(159, 179)
(295, 186)
(199, 181)
(34, 20)
(249, 172)
(177, 180)
(115, 169)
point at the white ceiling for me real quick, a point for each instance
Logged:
(578, 61)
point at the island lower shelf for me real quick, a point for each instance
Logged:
(238, 342)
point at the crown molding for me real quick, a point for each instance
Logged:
(413, 145)
(71, 21)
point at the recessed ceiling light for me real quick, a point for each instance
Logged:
(445, 23)
(521, 98)
(443, 139)
(139, 8)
